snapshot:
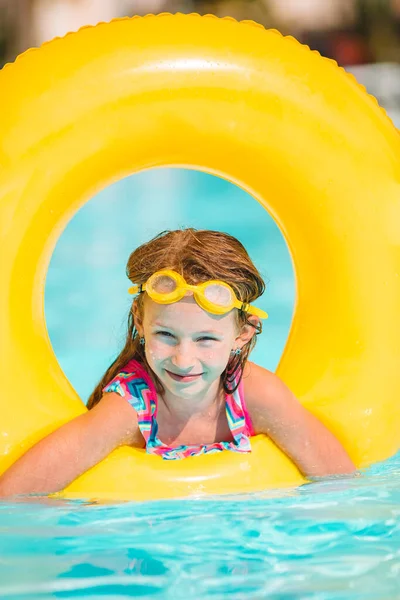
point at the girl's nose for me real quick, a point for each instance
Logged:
(182, 357)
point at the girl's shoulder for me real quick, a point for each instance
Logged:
(269, 401)
(261, 386)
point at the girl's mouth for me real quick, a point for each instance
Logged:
(184, 378)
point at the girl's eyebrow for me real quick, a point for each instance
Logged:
(205, 332)
(209, 332)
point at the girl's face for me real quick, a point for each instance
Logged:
(186, 347)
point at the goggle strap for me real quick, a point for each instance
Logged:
(136, 289)
(257, 312)
(252, 310)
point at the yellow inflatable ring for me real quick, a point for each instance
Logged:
(261, 110)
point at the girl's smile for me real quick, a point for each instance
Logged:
(183, 378)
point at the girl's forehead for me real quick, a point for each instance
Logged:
(186, 314)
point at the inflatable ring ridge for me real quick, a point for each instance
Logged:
(336, 65)
(247, 22)
(57, 38)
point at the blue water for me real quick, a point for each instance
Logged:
(332, 540)
(336, 539)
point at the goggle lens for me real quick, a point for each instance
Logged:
(218, 295)
(163, 284)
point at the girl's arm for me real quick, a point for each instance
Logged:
(62, 456)
(275, 412)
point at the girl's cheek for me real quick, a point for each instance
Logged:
(214, 356)
(157, 351)
(209, 356)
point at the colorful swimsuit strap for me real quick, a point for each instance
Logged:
(135, 384)
(247, 416)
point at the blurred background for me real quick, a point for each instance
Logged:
(86, 300)
(351, 31)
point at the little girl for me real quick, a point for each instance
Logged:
(182, 385)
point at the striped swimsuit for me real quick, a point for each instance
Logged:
(135, 384)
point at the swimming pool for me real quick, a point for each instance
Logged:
(334, 539)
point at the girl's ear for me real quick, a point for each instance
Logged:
(247, 331)
(137, 317)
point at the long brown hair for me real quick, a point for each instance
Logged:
(198, 255)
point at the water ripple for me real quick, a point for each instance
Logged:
(335, 539)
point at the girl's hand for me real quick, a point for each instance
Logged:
(277, 413)
(62, 456)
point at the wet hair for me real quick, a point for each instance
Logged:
(198, 255)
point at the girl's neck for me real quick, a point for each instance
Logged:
(208, 404)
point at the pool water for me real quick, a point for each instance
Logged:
(331, 540)
(334, 539)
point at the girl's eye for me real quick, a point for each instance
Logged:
(207, 339)
(164, 333)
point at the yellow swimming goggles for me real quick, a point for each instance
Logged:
(216, 297)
